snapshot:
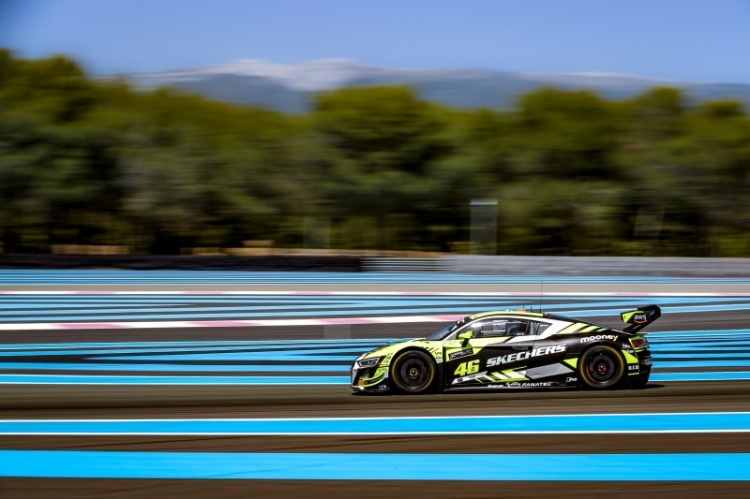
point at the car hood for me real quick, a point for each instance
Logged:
(388, 349)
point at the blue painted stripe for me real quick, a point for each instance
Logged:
(185, 309)
(337, 466)
(71, 301)
(698, 335)
(167, 298)
(204, 368)
(313, 357)
(701, 376)
(589, 423)
(161, 276)
(324, 357)
(342, 366)
(282, 364)
(97, 379)
(305, 352)
(716, 352)
(65, 301)
(675, 364)
(347, 357)
(717, 307)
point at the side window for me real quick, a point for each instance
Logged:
(493, 327)
(504, 327)
(474, 326)
(517, 328)
(489, 328)
(539, 327)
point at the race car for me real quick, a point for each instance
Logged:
(512, 349)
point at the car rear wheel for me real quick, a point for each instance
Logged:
(601, 367)
(413, 372)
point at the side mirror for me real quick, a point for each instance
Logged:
(466, 335)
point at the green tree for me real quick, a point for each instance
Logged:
(86, 161)
(378, 144)
(566, 135)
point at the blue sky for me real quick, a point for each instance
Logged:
(684, 40)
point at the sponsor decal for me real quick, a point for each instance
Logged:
(523, 384)
(598, 337)
(571, 379)
(516, 357)
(633, 367)
(640, 318)
(460, 354)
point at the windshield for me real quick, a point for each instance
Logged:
(439, 335)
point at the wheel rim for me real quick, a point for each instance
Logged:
(414, 372)
(601, 368)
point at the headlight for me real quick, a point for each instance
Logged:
(372, 362)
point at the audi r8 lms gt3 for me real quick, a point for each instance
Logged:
(512, 349)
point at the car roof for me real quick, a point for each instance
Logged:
(519, 313)
(526, 314)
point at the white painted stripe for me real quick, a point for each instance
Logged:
(376, 293)
(29, 327)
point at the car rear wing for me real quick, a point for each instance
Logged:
(638, 319)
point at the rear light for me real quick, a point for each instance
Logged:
(639, 342)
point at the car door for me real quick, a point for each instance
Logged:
(545, 360)
(488, 351)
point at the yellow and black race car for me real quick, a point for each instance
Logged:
(512, 350)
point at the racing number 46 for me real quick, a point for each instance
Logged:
(465, 368)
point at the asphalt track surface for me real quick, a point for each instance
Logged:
(124, 402)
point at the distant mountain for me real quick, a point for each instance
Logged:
(291, 87)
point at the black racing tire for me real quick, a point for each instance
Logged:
(414, 372)
(601, 366)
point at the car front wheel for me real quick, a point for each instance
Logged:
(414, 372)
